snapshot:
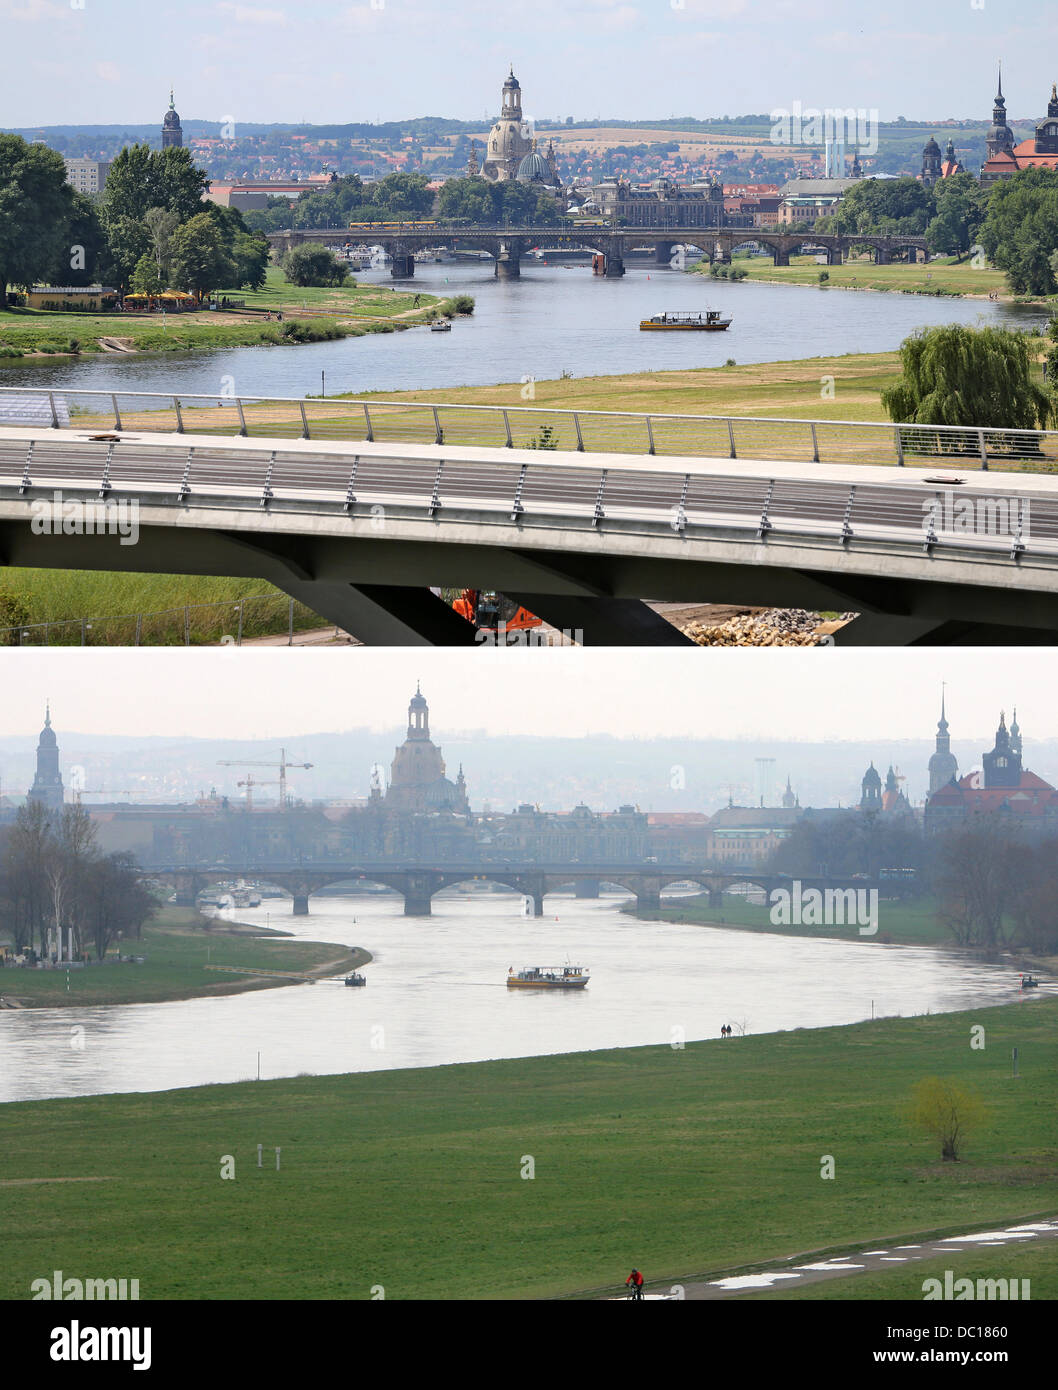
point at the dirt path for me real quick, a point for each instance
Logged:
(804, 1269)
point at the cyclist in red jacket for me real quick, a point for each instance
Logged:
(635, 1282)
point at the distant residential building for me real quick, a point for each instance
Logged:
(750, 834)
(87, 175)
(806, 200)
(172, 131)
(665, 203)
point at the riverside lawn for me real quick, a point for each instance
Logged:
(683, 1162)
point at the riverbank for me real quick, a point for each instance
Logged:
(186, 956)
(279, 314)
(938, 279)
(912, 922)
(538, 1177)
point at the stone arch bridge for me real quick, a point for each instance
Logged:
(419, 884)
(508, 245)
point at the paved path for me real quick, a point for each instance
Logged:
(802, 1269)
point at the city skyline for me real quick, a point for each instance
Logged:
(772, 696)
(271, 62)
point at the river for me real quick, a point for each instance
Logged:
(550, 321)
(436, 994)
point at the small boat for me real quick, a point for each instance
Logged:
(443, 327)
(711, 321)
(1029, 982)
(548, 977)
(355, 979)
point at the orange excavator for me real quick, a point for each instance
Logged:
(487, 610)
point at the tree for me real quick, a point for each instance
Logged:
(954, 375)
(976, 881)
(314, 265)
(161, 223)
(36, 207)
(960, 211)
(69, 853)
(25, 875)
(84, 258)
(115, 900)
(146, 278)
(946, 1111)
(251, 255)
(141, 178)
(200, 259)
(1020, 233)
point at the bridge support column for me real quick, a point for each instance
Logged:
(586, 888)
(508, 266)
(418, 893)
(912, 255)
(779, 256)
(615, 267)
(402, 267)
(301, 905)
(716, 897)
(833, 255)
(648, 902)
(882, 256)
(186, 891)
(663, 252)
(538, 904)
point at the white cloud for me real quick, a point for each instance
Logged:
(248, 14)
(108, 72)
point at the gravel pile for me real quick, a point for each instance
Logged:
(776, 627)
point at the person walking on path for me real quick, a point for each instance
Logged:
(635, 1282)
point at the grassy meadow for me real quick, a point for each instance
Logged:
(184, 955)
(689, 1162)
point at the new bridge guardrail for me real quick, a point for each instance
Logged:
(645, 498)
(541, 427)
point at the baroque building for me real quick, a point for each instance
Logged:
(417, 778)
(1003, 786)
(943, 765)
(47, 784)
(172, 131)
(509, 142)
(1004, 158)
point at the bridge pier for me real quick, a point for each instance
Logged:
(538, 904)
(716, 897)
(912, 255)
(833, 255)
(648, 902)
(882, 256)
(186, 891)
(663, 252)
(418, 890)
(586, 888)
(615, 267)
(401, 266)
(508, 266)
(780, 256)
(301, 905)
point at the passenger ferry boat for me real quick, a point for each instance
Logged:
(355, 979)
(711, 321)
(548, 977)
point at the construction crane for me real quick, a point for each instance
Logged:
(251, 782)
(282, 765)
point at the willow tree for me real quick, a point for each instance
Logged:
(945, 1111)
(977, 377)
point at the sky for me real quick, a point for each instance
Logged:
(810, 694)
(112, 61)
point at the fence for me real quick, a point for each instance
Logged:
(594, 431)
(190, 625)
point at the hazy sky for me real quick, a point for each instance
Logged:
(112, 61)
(811, 693)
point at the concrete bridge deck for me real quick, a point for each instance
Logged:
(359, 529)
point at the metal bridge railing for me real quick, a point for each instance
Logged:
(537, 427)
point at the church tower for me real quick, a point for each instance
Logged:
(172, 130)
(871, 790)
(943, 766)
(1000, 137)
(47, 784)
(789, 799)
(1002, 767)
(931, 162)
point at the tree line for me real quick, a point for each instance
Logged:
(991, 884)
(147, 230)
(54, 879)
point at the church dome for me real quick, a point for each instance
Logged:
(533, 169)
(931, 147)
